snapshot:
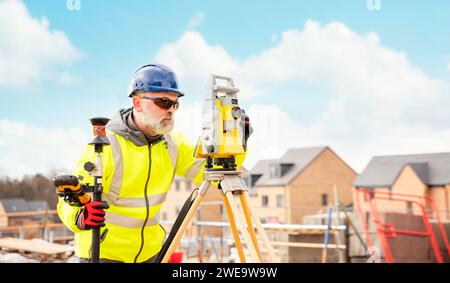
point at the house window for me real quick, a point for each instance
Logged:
(275, 171)
(188, 185)
(177, 186)
(280, 201)
(409, 208)
(265, 201)
(253, 179)
(285, 167)
(369, 196)
(324, 199)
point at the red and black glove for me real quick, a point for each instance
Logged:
(92, 215)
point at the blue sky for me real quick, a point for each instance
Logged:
(116, 37)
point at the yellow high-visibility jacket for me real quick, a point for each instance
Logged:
(137, 174)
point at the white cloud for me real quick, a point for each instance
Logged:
(27, 149)
(28, 48)
(194, 59)
(379, 102)
(66, 78)
(196, 20)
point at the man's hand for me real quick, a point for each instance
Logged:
(92, 215)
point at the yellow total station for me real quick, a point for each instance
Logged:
(223, 122)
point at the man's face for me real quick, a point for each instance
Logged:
(155, 117)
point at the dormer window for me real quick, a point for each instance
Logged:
(285, 167)
(275, 171)
(253, 178)
(278, 170)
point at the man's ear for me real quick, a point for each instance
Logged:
(137, 104)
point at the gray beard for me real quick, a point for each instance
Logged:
(163, 127)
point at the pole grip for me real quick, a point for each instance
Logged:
(97, 196)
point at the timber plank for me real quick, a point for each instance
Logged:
(34, 246)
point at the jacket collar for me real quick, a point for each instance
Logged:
(122, 123)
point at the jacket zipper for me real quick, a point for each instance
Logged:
(147, 203)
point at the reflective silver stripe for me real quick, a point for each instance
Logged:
(195, 168)
(137, 202)
(113, 196)
(172, 148)
(129, 222)
(117, 178)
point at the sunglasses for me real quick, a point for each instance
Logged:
(163, 102)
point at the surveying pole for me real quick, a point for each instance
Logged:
(96, 170)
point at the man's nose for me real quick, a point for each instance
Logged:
(170, 110)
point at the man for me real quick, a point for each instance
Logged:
(138, 169)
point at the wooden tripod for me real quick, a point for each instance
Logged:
(231, 184)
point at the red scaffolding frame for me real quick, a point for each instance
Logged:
(386, 230)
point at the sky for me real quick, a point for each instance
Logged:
(365, 78)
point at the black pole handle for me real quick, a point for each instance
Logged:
(97, 196)
(99, 141)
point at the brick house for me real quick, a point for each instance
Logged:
(424, 175)
(300, 183)
(13, 205)
(418, 174)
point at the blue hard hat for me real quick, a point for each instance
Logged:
(154, 78)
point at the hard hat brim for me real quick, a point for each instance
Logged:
(158, 89)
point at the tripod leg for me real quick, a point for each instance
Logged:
(265, 238)
(187, 219)
(251, 230)
(190, 232)
(234, 230)
(241, 226)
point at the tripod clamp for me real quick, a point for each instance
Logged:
(229, 180)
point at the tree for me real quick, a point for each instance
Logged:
(36, 187)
